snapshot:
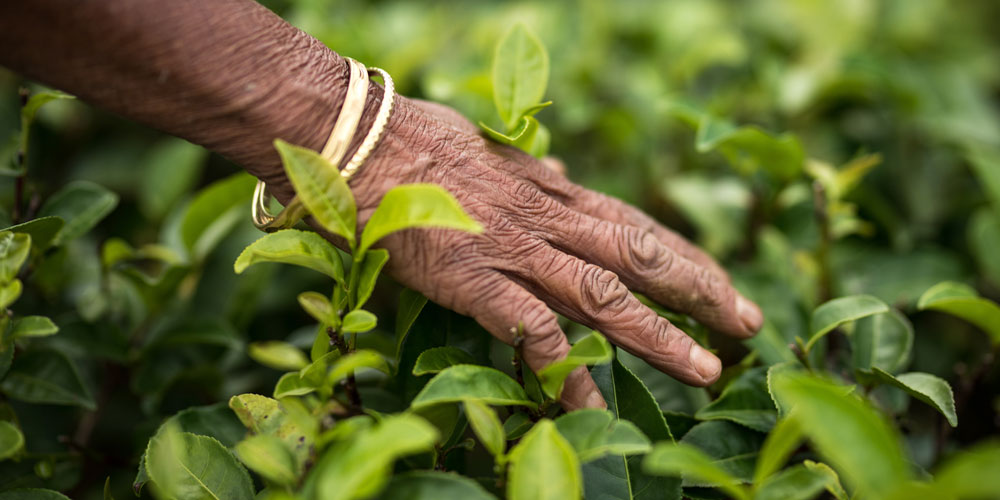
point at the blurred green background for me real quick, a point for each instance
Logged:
(746, 125)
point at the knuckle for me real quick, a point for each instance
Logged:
(709, 291)
(644, 251)
(601, 289)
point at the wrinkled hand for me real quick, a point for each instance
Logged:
(548, 245)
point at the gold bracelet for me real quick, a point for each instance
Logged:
(378, 126)
(334, 150)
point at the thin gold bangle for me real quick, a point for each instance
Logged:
(378, 126)
(333, 151)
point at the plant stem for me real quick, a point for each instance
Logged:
(350, 383)
(825, 242)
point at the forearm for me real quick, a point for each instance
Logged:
(226, 74)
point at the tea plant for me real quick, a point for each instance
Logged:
(866, 229)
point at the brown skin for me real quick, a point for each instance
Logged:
(232, 76)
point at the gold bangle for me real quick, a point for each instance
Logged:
(378, 126)
(333, 151)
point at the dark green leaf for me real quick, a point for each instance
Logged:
(49, 377)
(291, 246)
(42, 230)
(461, 382)
(731, 448)
(415, 205)
(411, 303)
(516, 425)
(321, 189)
(745, 401)
(543, 466)
(436, 359)
(433, 485)
(81, 205)
(170, 170)
(32, 494)
(214, 212)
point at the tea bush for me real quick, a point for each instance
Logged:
(841, 158)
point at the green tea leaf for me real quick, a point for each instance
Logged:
(14, 250)
(543, 466)
(267, 455)
(833, 485)
(292, 384)
(321, 189)
(42, 230)
(731, 448)
(621, 476)
(320, 308)
(266, 416)
(35, 102)
(213, 213)
(461, 382)
(9, 293)
(291, 246)
(794, 483)
(851, 434)
(359, 465)
(11, 440)
(435, 359)
(48, 377)
(590, 350)
(358, 320)
(433, 485)
(779, 445)
(348, 363)
(411, 303)
(189, 466)
(928, 388)
(415, 205)
(520, 74)
(516, 425)
(81, 205)
(278, 355)
(371, 266)
(836, 312)
(745, 401)
(594, 433)
(749, 148)
(672, 459)
(487, 427)
(33, 326)
(963, 301)
(882, 341)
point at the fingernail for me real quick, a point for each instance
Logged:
(596, 400)
(707, 365)
(750, 314)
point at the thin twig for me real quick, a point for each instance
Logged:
(350, 384)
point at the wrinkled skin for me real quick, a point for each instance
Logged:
(232, 76)
(548, 245)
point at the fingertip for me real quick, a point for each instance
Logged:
(580, 391)
(708, 366)
(750, 315)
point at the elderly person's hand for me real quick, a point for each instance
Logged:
(548, 245)
(232, 76)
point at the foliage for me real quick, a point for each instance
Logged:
(839, 158)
